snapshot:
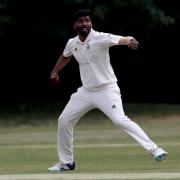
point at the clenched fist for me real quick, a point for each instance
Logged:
(54, 78)
(133, 44)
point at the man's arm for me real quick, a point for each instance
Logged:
(61, 62)
(130, 41)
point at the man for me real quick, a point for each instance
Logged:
(99, 89)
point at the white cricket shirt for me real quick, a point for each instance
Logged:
(93, 58)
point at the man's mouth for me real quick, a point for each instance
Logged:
(85, 29)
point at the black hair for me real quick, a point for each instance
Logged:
(80, 13)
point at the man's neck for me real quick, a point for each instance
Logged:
(82, 37)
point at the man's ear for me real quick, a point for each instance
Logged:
(74, 26)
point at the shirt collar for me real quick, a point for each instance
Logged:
(90, 35)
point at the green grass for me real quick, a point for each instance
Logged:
(99, 146)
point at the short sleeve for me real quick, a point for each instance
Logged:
(111, 39)
(67, 51)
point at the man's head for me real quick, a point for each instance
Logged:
(82, 22)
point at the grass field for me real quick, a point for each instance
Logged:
(101, 150)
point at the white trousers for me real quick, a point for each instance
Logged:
(108, 100)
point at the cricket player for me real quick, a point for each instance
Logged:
(99, 88)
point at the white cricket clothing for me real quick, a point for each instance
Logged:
(108, 100)
(99, 90)
(93, 58)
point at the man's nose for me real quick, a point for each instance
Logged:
(84, 23)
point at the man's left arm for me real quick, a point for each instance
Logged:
(130, 41)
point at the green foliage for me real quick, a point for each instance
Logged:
(101, 10)
(158, 16)
(5, 19)
(33, 112)
(5, 16)
(114, 15)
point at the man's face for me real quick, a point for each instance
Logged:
(83, 25)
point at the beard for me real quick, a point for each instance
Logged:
(84, 31)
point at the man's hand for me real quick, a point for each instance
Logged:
(133, 44)
(54, 78)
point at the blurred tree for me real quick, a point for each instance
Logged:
(6, 20)
(53, 17)
(34, 32)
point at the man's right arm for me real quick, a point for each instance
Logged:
(61, 62)
(130, 41)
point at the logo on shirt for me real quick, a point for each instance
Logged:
(75, 49)
(88, 46)
(113, 106)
